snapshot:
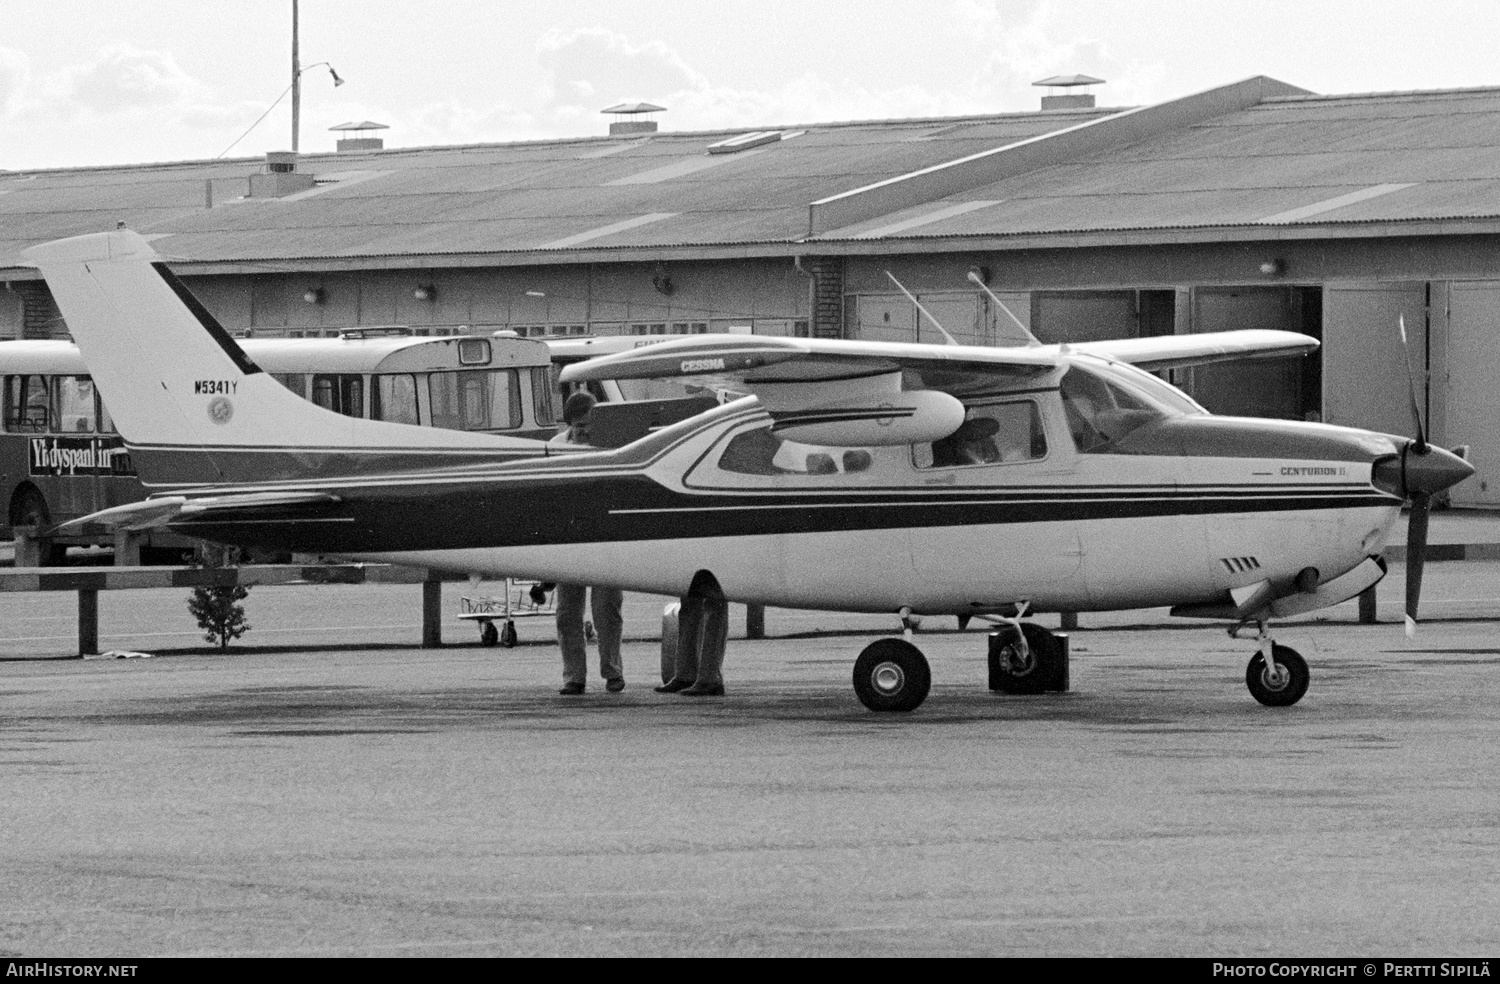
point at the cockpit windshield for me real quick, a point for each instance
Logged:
(1103, 406)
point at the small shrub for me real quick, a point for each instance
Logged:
(218, 610)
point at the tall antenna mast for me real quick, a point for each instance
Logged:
(296, 82)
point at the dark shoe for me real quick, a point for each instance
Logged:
(571, 689)
(673, 685)
(708, 690)
(614, 685)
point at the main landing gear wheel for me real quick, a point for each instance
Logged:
(508, 635)
(488, 634)
(1035, 672)
(892, 675)
(1279, 690)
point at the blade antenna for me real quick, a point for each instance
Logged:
(1031, 340)
(909, 297)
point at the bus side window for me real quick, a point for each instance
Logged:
(505, 399)
(542, 381)
(343, 394)
(394, 398)
(26, 404)
(73, 406)
(442, 395)
(294, 381)
(106, 422)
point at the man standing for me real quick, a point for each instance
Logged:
(606, 602)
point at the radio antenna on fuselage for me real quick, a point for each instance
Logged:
(1031, 340)
(910, 297)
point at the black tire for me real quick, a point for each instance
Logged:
(1038, 672)
(30, 509)
(508, 635)
(488, 634)
(1290, 690)
(892, 675)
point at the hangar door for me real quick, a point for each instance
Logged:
(1474, 387)
(1287, 389)
(1364, 369)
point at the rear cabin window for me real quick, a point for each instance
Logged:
(995, 433)
(27, 406)
(475, 399)
(761, 452)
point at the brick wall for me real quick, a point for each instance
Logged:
(827, 295)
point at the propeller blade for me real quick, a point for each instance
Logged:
(1411, 386)
(1416, 556)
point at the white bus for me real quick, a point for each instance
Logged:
(60, 457)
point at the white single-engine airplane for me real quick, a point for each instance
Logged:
(860, 476)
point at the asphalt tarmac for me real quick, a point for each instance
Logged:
(328, 789)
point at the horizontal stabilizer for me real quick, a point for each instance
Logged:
(164, 510)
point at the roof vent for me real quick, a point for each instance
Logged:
(361, 136)
(1079, 100)
(281, 176)
(744, 142)
(633, 126)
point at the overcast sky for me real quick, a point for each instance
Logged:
(89, 82)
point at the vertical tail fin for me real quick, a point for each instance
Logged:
(192, 406)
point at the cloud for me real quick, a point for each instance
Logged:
(597, 64)
(125, 78)
(15, 75)
(1028, 41)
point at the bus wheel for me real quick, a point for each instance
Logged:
(30, 509)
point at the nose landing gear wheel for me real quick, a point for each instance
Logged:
(1281, 690)
(892, 675)
(1037, 672)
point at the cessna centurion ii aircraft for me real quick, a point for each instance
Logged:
(860, 476)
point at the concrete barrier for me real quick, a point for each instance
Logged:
(89, 581)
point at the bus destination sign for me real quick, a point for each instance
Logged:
(77, 456)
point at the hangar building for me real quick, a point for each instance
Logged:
(1254, 204)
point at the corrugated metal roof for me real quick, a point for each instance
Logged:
(1279, 156)
(1283, 157)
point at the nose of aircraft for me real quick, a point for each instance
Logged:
(1417, 472)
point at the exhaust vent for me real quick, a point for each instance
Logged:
(280, 178)
(1069, 100)
(359, 136)
(744, 142)
(631, 125)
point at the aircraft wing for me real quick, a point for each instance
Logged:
(1175, 351)
(769, 359)
(157, 512)
(852, 393)
(835, 392)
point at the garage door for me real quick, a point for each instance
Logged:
(1474, 387)
(1364, 370)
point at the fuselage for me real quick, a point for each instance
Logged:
(1178, 510)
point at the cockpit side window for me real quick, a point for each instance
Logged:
(1100, 411)
(990, 434)
(762, 452)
